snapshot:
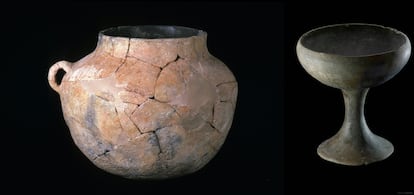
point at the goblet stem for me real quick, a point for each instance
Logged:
(355, 144)
(354, 125)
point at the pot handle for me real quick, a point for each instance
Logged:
(51, 77)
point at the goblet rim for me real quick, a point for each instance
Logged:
(406, 44)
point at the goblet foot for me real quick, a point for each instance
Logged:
(347, 150)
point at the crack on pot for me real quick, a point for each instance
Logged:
(122, 63)
(159, 128)
(133, 122)
(125, 57)
(175, 110)
(127, 52)
(212, 126)
(139, 105)
(132, 109)
(156, 81)
(212, 114)
(227, 92)
(157, 140)
(103, 98)
(175, 60)
(141, 60)
(104, 153)
(129, 117)
(157, 100)
(131, 96)
(159, 74)
(116, 112)
(226, 82)
(167, 118)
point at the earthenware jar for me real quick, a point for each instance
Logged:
(150, 102)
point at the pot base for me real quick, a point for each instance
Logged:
(354, 152)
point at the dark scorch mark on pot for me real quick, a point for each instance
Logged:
(90, 117)
(90, 113)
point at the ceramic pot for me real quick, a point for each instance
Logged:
(150, 102)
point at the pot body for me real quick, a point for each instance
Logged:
(148, 108)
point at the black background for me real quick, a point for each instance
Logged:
(38, 153)
(314, 112)
(282, 113)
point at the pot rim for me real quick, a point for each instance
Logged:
(148, 32)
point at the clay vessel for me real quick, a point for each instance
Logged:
(150, 102)
(354, 58)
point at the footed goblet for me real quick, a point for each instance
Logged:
(354, 58)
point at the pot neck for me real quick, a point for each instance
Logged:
(122, 47)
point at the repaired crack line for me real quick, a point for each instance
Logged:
(159, 74)
(141, 60)
(126, 56)
(130, 119)
(175, 60)
(156, 81)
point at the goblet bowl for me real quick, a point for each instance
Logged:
(350, 56)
